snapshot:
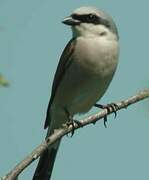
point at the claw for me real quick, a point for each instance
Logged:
(114, 108)
(78, 123)
(108, 107)
(71, 122)
(105, 121)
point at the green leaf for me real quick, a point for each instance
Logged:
(3, 81)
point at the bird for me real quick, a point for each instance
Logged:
(84, 72)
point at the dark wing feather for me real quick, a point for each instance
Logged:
(63, 63)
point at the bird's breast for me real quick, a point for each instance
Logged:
(87, 77)
(96, 55)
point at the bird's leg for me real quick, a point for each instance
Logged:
(108, 107)
(71, 122)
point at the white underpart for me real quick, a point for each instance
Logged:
(94, 62)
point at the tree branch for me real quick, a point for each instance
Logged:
(13, 174)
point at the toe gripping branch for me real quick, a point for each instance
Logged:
(71, 122)
(114, 107)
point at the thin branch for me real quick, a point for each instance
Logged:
(13, 174)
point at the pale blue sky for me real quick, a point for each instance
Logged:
(32, 38)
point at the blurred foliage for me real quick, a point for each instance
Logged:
(3, 81)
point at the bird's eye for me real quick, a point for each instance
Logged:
(92, 16)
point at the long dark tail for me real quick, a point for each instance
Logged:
(45, 164)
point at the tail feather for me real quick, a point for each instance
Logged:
(45, 164)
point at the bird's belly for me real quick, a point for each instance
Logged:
(80, 89)
(87, 95)
(87, 77)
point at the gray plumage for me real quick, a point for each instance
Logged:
(84, 72)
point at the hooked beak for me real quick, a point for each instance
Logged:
(70, 21)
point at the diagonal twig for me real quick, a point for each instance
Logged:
(13, 174)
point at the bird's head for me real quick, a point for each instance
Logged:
(89, 21)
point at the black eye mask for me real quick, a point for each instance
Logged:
(91, 18)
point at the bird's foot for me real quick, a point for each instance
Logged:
(72, 122)
(109, 107)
